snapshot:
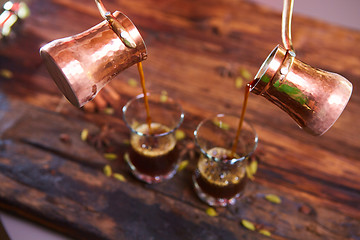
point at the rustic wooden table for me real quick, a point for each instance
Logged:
(196, 50)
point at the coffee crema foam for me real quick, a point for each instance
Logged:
(153, 146)
(219, 173)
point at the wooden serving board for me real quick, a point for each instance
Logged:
(48, 174)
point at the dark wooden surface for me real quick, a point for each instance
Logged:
(196, 49)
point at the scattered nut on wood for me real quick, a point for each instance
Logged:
(211, 212)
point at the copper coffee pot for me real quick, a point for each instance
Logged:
(83, 64)
(312, 97)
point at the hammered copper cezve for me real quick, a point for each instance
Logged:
(83, 64)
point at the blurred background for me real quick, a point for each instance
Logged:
(343, 13)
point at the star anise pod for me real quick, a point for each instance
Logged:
(103, 138)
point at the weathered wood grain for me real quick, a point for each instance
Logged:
(57, 185)
(196, 49)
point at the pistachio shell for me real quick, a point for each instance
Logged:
(163, 96)
(265, 232)
(221, 125)
(239, 82)
(179, 134)
(132, 82)
(84, 134)
(247, 224)
(107, 170)
(109, 111)
(253, 167)
(126, 157)
(249, 173)
(110, 156)
(6, 73)
(245, 73)
(119, 177)
(183, 165)
(211, 212)
(273, 198)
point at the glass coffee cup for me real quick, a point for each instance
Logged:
(220, 177)
(153, 155)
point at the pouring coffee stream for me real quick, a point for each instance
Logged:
(314, 98)
(286, 38)
(83, 64)
(129, 42)
(146, 101)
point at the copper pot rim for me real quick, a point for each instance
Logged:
(268, 69)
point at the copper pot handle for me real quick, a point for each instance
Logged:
(115, 25)
(286, 24)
